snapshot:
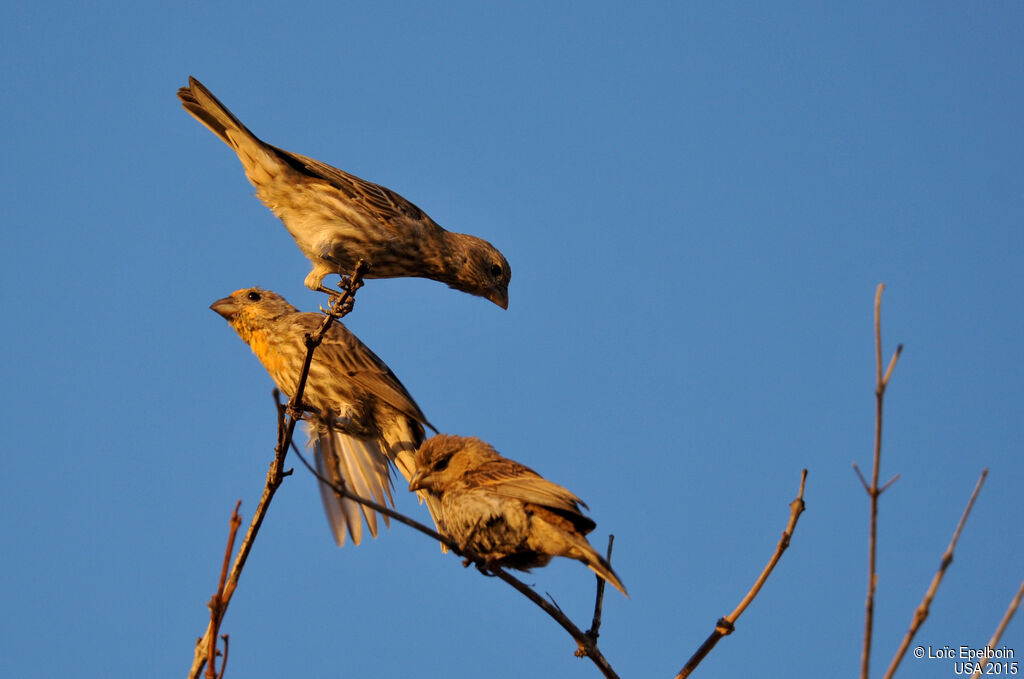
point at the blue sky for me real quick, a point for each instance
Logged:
(697, 201)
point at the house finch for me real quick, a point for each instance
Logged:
(337, 218)
(364, 416)
(501, 510)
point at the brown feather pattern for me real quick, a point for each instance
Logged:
(503, 510)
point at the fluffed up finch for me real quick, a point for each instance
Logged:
(504, 511)
(365, 417)
(337, 218)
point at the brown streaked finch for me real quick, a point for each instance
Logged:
(364, 417)
(504, 511)
(338, 219)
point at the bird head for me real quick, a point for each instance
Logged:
(444, 459)
(251, 307)
(479, 269)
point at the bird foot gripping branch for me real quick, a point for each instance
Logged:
(299, 410)
(342, 301)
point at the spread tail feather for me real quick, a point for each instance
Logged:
(405, 464)
(402, 451)
(361, 466)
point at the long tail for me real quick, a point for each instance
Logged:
(260, 161)
(362, 466)
(208, 110)
(603, 569)
(562, 542)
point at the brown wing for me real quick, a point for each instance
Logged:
(366, 370)
(380, 201)
(508, 478)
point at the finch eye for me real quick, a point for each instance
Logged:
(495, 270)
(442, 464)
(254, 296)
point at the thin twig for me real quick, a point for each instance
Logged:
(218, 600)
(873, 491)
(947, 558)
(586, 645)
(343, 490)
(224, 661)
(863, 481)
(726, 625)
(287, 420)
(1001, 627)
(595, 624)
(555, 604)
(888, 483)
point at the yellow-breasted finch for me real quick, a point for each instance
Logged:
(364, 418)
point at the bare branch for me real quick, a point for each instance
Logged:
(726, 625)
(892, 364)
(1001, 627)
(595, 624)
(888, 483)
(873, 491)
(224, 662)
(921, 613)
(218, 600)
(342, 489)
(587, 646)
(287, 419)
(878, 333)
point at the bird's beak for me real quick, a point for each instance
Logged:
(225, 307)
(416, 482)
(499, 297)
